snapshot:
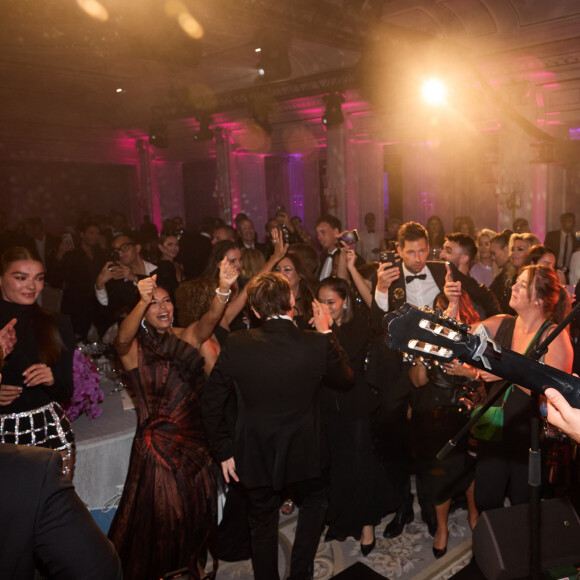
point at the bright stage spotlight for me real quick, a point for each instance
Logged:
(434, 91)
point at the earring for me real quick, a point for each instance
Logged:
(144, 325)
(344, 306)
(172, 319)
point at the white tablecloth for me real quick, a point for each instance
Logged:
(103, 450)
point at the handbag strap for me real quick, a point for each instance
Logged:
(545, 325)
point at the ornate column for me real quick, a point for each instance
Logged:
(226, 189)
(147, 195)
(336, 158)
(252, 190)
(370, 176)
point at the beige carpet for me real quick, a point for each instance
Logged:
(407, 557)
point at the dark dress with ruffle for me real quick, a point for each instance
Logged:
(167, 517)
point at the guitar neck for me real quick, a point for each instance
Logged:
(526, 372)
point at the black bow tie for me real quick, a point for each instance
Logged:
(419, 276)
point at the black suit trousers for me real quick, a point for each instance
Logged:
(263, 513)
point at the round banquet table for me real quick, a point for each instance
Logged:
(103, 450)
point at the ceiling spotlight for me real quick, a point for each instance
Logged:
(158, 135)
(274, 61)
(204, 133)
(333, 114)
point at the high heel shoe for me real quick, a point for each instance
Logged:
(366, 549)
(440, 552)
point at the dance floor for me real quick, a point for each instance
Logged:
(404, 558)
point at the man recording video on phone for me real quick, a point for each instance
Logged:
(417, 281)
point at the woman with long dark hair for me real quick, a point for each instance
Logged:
(301, 284)
(167, 517)
(436, 232)
(37, 377)
(358, 482)
(169, 269)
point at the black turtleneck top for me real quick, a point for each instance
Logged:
(25, 353)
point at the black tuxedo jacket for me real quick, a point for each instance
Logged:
(43, 517)
(278, 372)
(480, 295)
(553, 242)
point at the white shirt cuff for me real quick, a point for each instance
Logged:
(382, 300)
(102, 296)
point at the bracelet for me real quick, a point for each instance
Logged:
(220, 294)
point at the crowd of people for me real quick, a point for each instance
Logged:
(264, 364)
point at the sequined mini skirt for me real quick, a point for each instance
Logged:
(46, 426)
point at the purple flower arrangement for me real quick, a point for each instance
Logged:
(86, 395)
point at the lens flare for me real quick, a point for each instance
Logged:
(94, 9)
(434, 91)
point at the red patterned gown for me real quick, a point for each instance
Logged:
(167, 517)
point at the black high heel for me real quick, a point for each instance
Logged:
(366, 549)
(440, 552)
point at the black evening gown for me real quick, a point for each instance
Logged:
(167, 517)
(359, 489)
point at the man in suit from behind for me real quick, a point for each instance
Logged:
(45, 522)
(278, 372)
(563, 242)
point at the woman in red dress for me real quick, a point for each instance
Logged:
(167, 517)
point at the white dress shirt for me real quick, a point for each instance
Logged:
(326, 269)
(418, 292)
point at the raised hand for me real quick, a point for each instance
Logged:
(228, 275)
(350, 258)
(280, 247)
(386, 275)
(452, 289)
(146, 288)
(322, 320)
